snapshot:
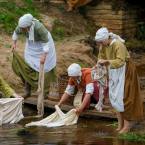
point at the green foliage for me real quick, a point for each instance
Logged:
(132, 137)
(10, 12)
(135, 44)
(141, 31)
(113, 124)
(58, 31)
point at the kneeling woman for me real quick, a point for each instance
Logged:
(80, 79)
(124, 94)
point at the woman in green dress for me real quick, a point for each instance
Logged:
(39, 49)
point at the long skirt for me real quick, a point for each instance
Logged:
(29, 75)
(133, 103)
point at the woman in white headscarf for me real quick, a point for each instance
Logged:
(80, 79)
(39, 49)
(124, 89)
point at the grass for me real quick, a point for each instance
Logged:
(113, 124)
(135, 44)
(10, 11)
(58, 31)
(132, 137)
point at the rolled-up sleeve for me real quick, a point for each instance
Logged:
(16, 33)
(70, 90)
(89, 88)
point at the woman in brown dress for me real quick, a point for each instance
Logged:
(115, 54)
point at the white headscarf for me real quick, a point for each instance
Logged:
(103, 34)
(25, 21)
(74, 70)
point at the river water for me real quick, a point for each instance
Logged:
(98, 131)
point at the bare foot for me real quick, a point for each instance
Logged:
(119, 128)
(124, 130)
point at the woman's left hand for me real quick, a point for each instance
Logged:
(42, 59)
(78, 111)
(103, 61)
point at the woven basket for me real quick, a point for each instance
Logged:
(62, 84)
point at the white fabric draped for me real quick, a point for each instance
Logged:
(58, 118)
(10, 110)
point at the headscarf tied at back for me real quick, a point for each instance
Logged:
(103, 34)
(74, 70)
(25, 21)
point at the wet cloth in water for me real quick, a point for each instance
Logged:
(10, 110)
(58, 118)
(26, 73)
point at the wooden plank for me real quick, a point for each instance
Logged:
(100, 6)
(66, 107)
(106, 17)
(109, 25)
(113, 21)
(104, 12)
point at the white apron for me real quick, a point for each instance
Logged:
(33, 52)
(116, 87)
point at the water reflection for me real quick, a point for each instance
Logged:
(122, 142)
(87, 132)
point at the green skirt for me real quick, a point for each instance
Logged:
(29, 75)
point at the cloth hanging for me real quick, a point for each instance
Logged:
(116, 87)
(40, 91)
(58, 118)
(10, 110)
(99, 74)
(78, 99)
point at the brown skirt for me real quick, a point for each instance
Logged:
(133, 102)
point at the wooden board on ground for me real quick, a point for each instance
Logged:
(108, 111)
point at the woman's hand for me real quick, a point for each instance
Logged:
(14, 46)
(103, 62)
(78, 111)
(43, 58)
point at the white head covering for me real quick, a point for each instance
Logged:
(103, 34)
(74, 70)
(25, 21)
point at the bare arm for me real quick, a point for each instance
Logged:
(84, 103)
(43, 58)
(14, 45)
(64, 97)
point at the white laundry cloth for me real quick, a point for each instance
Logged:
(99, 74)
(58, 118)
(78, 99)
(40, 91)
(10, 110)
(116, 87)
